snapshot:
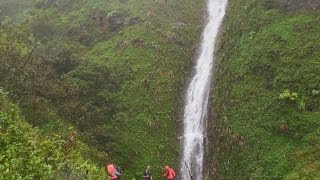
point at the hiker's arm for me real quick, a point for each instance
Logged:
(165, 174)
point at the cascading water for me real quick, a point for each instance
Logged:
(197, 96)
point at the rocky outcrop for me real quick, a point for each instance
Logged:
(117, 21)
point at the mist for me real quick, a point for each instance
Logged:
(15, 9)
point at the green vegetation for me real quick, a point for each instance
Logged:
(26, 153)
(110, 71)
(266, 100)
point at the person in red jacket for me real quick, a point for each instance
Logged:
(169, 173)
(112, 172)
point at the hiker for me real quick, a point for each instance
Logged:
(169, 173)
(147, 174)
(113, 172)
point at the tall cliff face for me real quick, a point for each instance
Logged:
(112, 71)
(266, 105)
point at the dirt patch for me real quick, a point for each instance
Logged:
(293, 5)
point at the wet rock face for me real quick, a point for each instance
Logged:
(116, 22)
(293, 5)
(119, 20)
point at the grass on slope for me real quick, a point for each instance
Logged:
(266, 99)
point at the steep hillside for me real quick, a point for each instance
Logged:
(27, 153)
(266, 101)
(112, 71)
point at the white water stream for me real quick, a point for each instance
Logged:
(195, 110)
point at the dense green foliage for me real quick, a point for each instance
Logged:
(111, 69)
(266, 99)
(27, 153)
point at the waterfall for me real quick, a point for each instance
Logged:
(195, 110)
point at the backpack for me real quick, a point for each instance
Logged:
(117, 172)
(147, 174)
